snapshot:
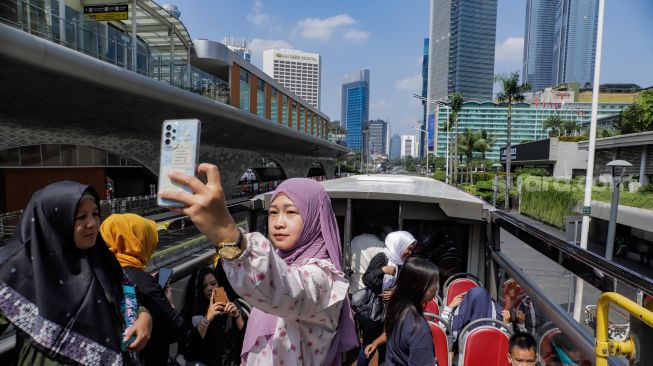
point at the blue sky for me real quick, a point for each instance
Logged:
(387, 37)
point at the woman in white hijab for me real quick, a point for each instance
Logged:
(380, 277)
(398, 247)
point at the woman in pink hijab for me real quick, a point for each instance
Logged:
(294, 280)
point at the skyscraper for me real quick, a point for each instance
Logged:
(296, 70)
(379, 131)
(355, 106)
(425, 85)
(395, 147)
(461, 50)
(537, 67)
(575, 41)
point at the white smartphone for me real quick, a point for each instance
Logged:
(180, 147)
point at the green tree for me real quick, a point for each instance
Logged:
(456, 104)
(511, 92)
(638, 117)
(409, 164)
(554, 123)
(467, 143)
(484, 143)
(569, 127)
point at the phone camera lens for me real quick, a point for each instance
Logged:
(167, 142)
(174, 131)
(173, 138)
(168, 127)
(167, 134)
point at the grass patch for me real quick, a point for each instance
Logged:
(551, 200)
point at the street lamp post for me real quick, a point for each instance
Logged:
(495, 186)
(427, 150)
(614, 204)
(438, 103)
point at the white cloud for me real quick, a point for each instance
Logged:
(257, 16)
(257, 46)
(412, 83)
(511, 49)
(356, 35)
(323, 29)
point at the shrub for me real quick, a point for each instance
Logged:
(439, 175)
(538, 172)
(647, 189)
(573, 138)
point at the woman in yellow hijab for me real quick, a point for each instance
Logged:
(132, 239)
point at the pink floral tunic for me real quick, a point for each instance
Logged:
(306, 296)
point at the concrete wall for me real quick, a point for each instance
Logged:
(567, 157)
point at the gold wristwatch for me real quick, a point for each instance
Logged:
(231, 250)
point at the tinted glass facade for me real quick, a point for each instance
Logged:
(355, 106)
(539, 34)
(378, 137)
(425, 84)
(575, 41)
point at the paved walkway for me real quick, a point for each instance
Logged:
(594, 247)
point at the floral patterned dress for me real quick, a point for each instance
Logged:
(306, 296)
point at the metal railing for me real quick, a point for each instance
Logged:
(104, 42)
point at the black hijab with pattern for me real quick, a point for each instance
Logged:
(63, 300)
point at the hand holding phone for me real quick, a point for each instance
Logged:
(219, 295)
(180, 144)
(164, 276)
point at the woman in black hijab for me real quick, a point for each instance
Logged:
(61, 290)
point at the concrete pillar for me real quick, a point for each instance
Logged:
(643, 179)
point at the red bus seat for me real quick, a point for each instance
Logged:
(441, 342)
(457, 287)
(483, 345)
(433, 306)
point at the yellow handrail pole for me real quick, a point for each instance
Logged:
(605, 346)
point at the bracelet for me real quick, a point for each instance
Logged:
(204, 321)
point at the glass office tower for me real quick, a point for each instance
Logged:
(355, 107)
(538, 43)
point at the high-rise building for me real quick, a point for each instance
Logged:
(425, 85)
(408, 146)
(355, 106)
(461, 50)
(537, 69)
(395, 147)
(296, 70)
(575, 41)
(239, 46)
(379, 132)
(527, 121)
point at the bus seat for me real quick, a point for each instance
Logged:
(459, 284)
(433, 306)
(484, 345)
(544, 346)
(441, 342)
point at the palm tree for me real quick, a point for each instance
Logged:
(456, 104)
(484, 143)
(554, 123)
(467, 143)
(512, 92)
(569, 127)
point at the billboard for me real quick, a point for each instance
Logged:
(530, 151)
(430, 127)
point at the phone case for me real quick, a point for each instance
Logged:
(219, 295)
(180, 145)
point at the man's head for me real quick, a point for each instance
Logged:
(523, 350)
